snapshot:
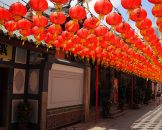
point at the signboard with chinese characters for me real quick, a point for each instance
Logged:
(5, 52)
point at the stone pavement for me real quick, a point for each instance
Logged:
(148, 117)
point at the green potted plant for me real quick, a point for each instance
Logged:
(23, 114)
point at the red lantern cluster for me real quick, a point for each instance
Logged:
(94, 42)
(24, 26)
(157, 12)
(38, 5)
(138, 15)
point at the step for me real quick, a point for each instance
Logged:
(3, 128)
(118, 114)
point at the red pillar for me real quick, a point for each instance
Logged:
(132, 88)
(96, 85)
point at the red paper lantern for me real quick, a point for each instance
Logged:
(72, 26)
(58, 18)
(159, 22)
(92, 56)
(59, 3)
(104, 55)
(155, 1)
(24, 24)
(157, 10)
(36, 30)
(17, 10)
(109, 37)
(100, 31)
(131, 4)
(128, 34)
(66, 35)
(144, 24)
(40, 21)
(91, 23)
(160, 29)
(145, 32)
(78, 48)
(106, 37)
(98, 53)
(92, 47)
(76, 39)
(57, 44)
(55, 30)
(49, 39)
(150, 37)
(86, 52)
(68, 46)
(25, 34)
(10, 26)
(25, 29)
(103, 44)
(92, 38)
(4, 15)
(138, 14)
(103, 7)
(122, 27)
(39, 5)
(83, 33)
(39, 38)
(77, 12)
(113, 19)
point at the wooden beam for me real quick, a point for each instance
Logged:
(14, 41)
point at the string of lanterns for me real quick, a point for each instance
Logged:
(91, 40)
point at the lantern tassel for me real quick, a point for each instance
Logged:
(37, 44)
(23, 39)
(23, 43)
(10, 35)
(58, 7)
(48, 47)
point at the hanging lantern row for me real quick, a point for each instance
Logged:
(131, 38)
(93, 41)
(157, 12)
(139, 15)
(145, 26)
(115, 19)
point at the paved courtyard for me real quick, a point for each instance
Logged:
(148, 117)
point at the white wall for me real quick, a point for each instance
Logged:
(65, 86)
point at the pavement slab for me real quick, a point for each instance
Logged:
(148, 117)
